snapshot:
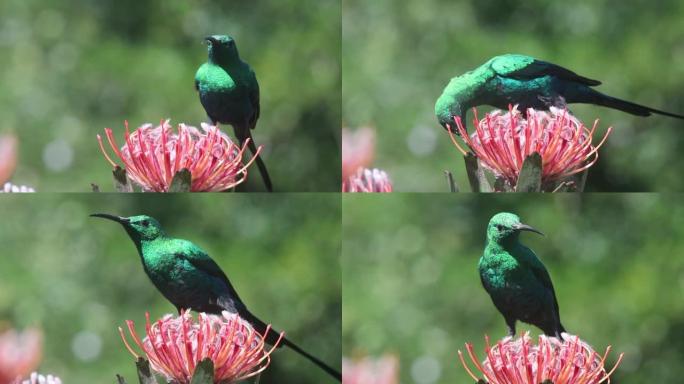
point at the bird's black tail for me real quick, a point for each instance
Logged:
(260, 163)
(273, 336)
(627, 106)
(328, 369)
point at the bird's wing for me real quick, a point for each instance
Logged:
(201, 260)
(542, 275)
(525, 67)
(254, 98)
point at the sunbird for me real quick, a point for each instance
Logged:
(516, 279)
(229, 92)
(190, 279)
(530, 83)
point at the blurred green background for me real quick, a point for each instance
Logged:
(398, 56)
(411, 286)
(79, 278)
(70, 68)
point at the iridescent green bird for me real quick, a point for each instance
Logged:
(530, 83)
(229, 92)
(516, 279)
(190, 279)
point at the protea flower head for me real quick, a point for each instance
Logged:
(8, 157)
(153, 155)
(358, 150)
(383, 370)
(502, 141)
(519, 361)
(36, 378)
(20, 353)
(174, 345)
(367, 180)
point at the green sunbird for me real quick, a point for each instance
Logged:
(518, 79)
(190, 279)
(516, 279)
(229, 92)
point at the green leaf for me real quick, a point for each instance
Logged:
(450, 182)
(529, 179)
(204, 372)
(121, 182)
(120, 379)
(476, 177)
(144, 373)
(502, 185)
(181, 181)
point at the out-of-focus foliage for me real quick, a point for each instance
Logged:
(398, 55)
(411, 286)
(79, 278)
(70, 68)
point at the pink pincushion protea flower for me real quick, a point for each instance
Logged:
(383, 370)
(518, 361)
(358, 150)
(501, 142)
(19, 354)
(368, 180)
(175, 345)
(153, 155)
(8, 156)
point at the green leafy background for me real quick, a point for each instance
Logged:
(79, 278)
(70, 68)
(411, 287)
(398, 56)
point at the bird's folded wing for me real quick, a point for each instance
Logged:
(531, 69)
(254, 98)
(201, 260)
(543, 277)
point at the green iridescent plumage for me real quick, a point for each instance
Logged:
(190, 279)
(516, 279)
(229, 92)
(530, 83)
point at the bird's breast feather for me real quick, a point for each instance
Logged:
(212, 78)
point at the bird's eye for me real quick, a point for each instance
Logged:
(499, 227)
(145, 223)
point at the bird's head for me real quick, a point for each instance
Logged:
(446, 109)
(222, 48)
(504, 226)
(141, 227)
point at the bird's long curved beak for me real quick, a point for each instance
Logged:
(525, 227)
(118, 219)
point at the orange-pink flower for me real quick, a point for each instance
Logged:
(175, 345)
(519, 361)
(367, 180)
(20, 353)
(8, 157)
(358, 150)
(383, 370)
(501, 142)
(153, 155)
